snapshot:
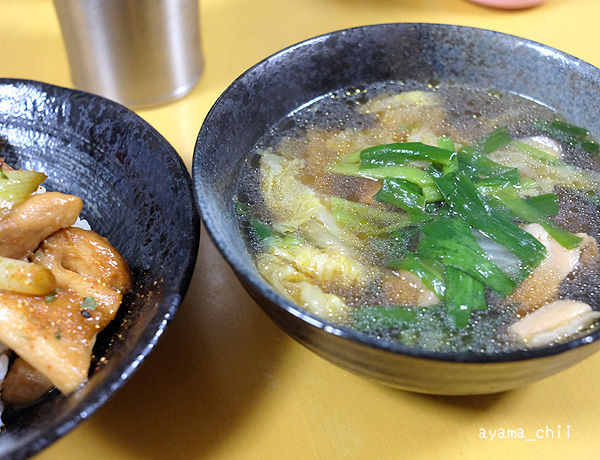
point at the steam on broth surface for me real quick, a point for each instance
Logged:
(446, 218)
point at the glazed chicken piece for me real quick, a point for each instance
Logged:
(543, 284)
(24, 384)
(55, 334)
(29, 223)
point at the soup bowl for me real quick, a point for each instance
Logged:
(137, 193)
(351, 58)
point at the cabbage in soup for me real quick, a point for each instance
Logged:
(445, 218)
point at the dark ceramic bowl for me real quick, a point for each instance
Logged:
(137, 192)
(347, 59)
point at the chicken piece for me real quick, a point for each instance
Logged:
(24, 384)
(543, 283)
(364, 190)
(74, 251)
(588, 250)
(321, 152)
(29, 223)
(56, 335)
(405, 288)
(553, 321)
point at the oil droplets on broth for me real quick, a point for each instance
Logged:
(353, 207)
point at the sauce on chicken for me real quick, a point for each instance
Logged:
(69, 286)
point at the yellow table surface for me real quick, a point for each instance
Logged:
(225, 382)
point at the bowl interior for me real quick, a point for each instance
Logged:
(348, 59)
(137, 193)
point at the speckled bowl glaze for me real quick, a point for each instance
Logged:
(346, 59)
(137, 192)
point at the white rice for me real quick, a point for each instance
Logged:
(82, 223)
(3, 370)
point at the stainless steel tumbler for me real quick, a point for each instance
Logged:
(136, 52)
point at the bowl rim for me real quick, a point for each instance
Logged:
(210, 220)
(173, 295)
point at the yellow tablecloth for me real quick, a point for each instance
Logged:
(224, 382)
